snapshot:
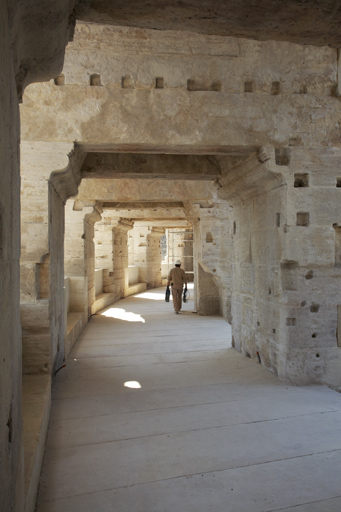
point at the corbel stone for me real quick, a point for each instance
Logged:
(258, 173)
(67, 181)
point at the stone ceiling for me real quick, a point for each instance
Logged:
(315, 22)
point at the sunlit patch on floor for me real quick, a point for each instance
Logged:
(152, 296)
(122, 314)
(133, 384)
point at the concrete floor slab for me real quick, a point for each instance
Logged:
(208, 430)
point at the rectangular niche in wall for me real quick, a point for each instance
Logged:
(275, 88)
(337, 262)
(302, 219)
(338, 331)
(282, 156)
(159, 83)
(289, 274)
(127, 82)
(301, 180)
(95, 80)
(248, 86)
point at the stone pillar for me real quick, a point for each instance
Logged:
(214, 261)
(117, 281)
(79, 254)
(89, 254)
(147, 253)
(131, 247)
(44, 192)
(309, 277)
(286, 266)
(104, 243)
(255, 190)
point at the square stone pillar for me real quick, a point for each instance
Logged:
(79, 253)
(116, 282)
(147, 253)
(49, 176)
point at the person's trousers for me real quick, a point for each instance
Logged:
(177, 297)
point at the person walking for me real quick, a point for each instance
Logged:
(177, 279)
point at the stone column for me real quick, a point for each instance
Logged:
(104, 243)
(117, 281)
(147, 253)
(89, 253)
(44, 192)
(79, 254)
(215, 261)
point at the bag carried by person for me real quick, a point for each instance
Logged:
(167, 294)
(185, 296)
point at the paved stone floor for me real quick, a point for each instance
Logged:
(207, 430)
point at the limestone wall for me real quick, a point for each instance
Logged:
(312, 240)
(42, 256)
(130, 90)
(147, 253)
(215, 253)
(24, 58)
(11, 453)
(104, 243)
(258, 301)
(285, 272)
(213, 91)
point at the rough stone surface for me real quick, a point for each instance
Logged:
(266, 112)
(253, 111)
(313, 22)
(24, 59)
(112, 115)
(11, 453)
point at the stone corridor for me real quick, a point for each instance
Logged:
(208, 429)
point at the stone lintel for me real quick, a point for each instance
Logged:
(149, 166)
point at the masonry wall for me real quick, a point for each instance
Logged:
(56, 302)
(218, 95)
(147, 253)
(215, 253)
(312, 240)
(286, 271)
(42, 271)
(215, 91)
(104, 240)
(11, 453)
(257, 297)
